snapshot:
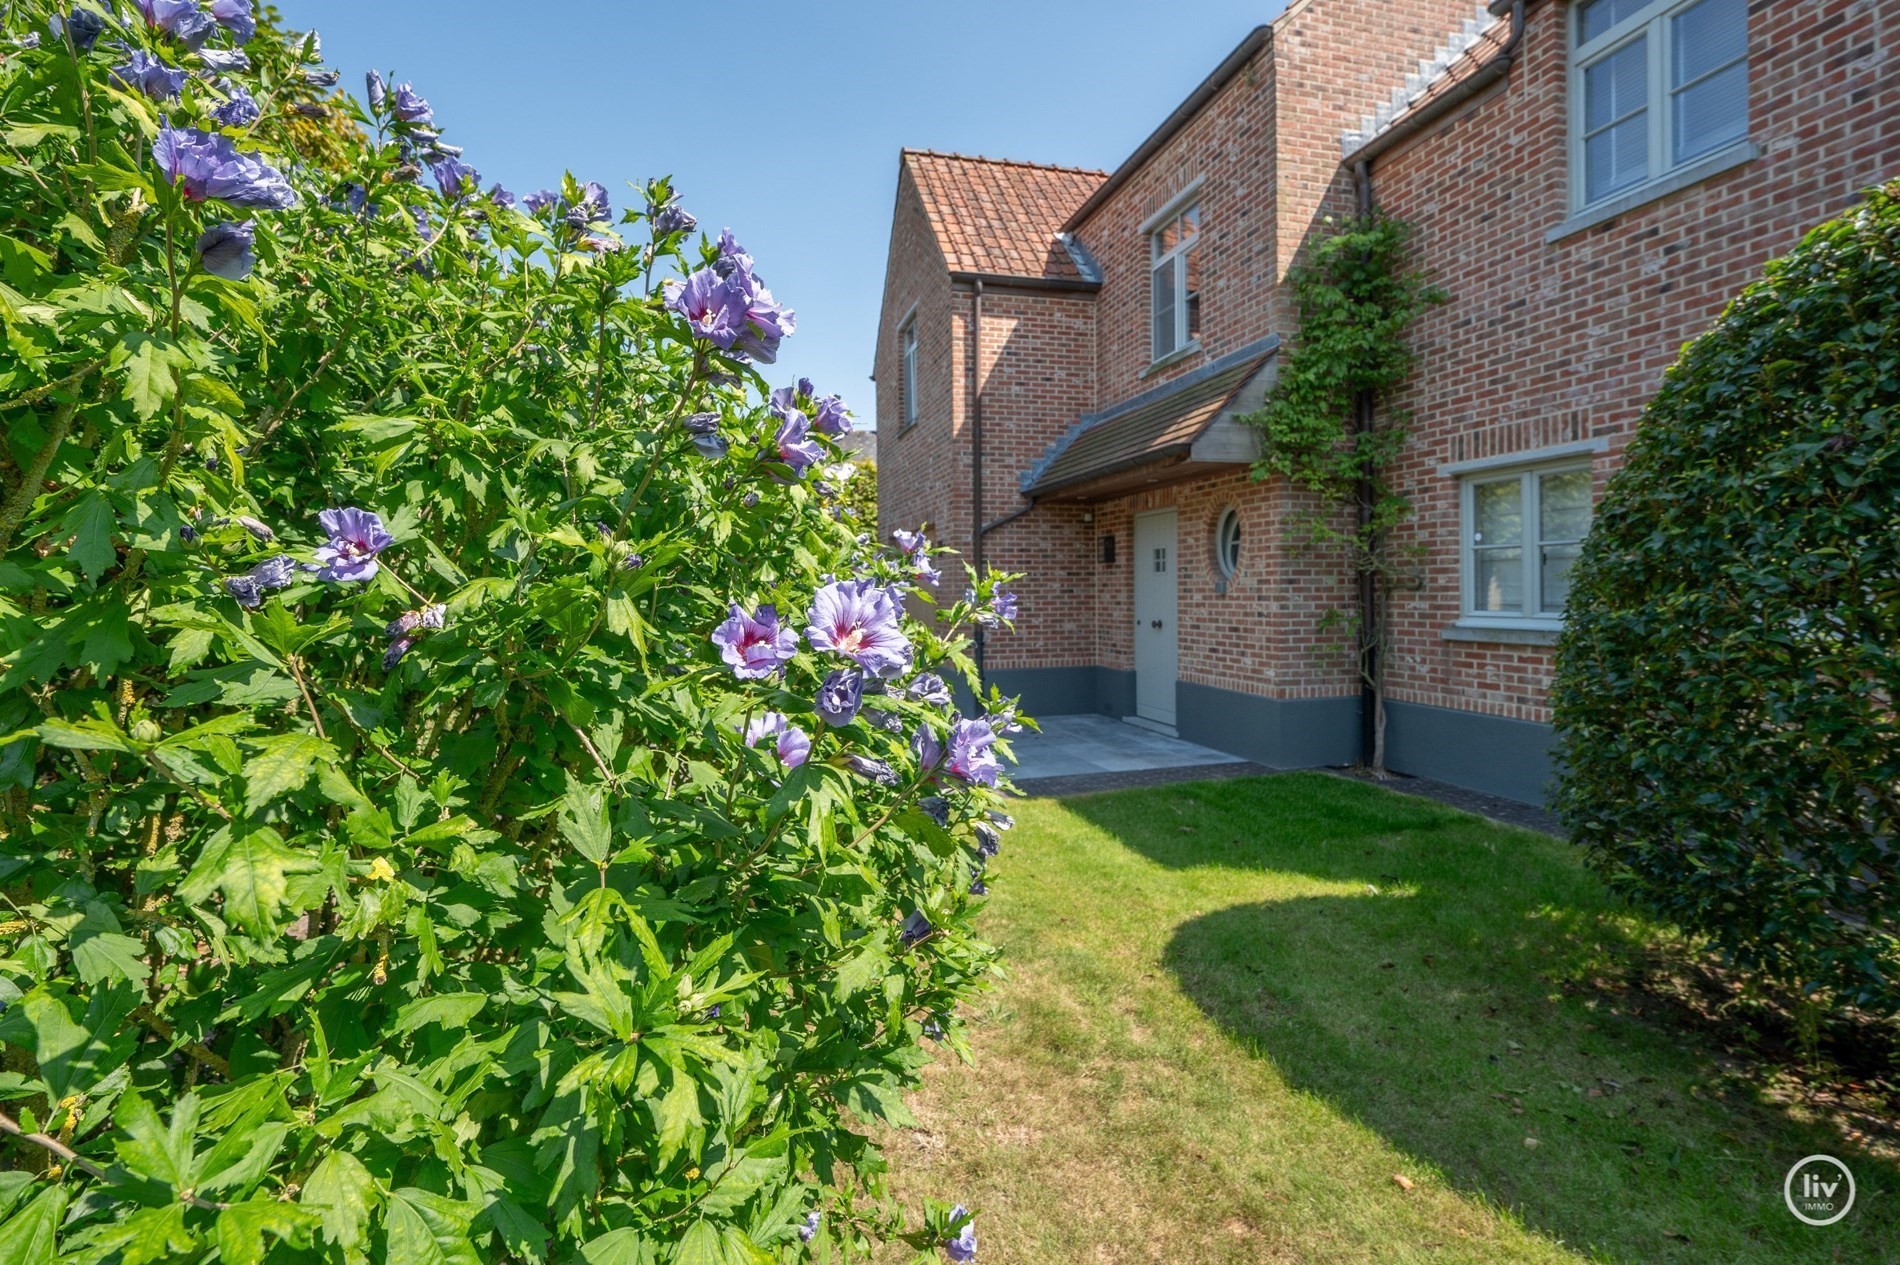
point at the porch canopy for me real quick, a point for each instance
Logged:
(1184, 429)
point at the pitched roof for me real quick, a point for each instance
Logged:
(1003, 218)
(1165, 424)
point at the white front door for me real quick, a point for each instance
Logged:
(1155, 644)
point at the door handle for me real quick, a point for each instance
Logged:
(1156, 624)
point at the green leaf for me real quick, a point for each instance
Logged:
(284, 765)
(624, 1246)
(584, 820)
(426, 1229)
(451, 1010)
(101, 951)
(242, 1228)
(676, 1115)
(91, 523)
(150, 1148)
(28, 1235)
(340, 1191)
(85, 735)
(252, 872)
(867, 965)
(151, 363)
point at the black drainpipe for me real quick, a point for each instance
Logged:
(1364, 406)
(976, 452)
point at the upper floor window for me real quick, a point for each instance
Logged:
(1175, 251)
(1522, 532)
(907, 373)
(1656, 85)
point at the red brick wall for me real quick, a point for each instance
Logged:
(1543, 343)
(1228, 147)
(1256, 638)
(917, 465)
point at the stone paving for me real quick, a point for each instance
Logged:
(1082, 755)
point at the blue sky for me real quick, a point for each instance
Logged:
(784, 120)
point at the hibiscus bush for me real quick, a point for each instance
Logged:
(468, 792)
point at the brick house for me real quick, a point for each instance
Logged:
(1063, 354)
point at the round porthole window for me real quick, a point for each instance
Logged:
(1227, 543)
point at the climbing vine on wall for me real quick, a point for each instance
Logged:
(1327, 429)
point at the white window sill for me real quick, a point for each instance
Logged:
(1174, 357)
(1681, 178)
(1520, 632)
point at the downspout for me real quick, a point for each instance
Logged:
(976, 451)
(1371, 719)
(1364, 412)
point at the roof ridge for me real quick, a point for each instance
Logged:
(1002, 162)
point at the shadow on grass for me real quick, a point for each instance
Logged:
(1454, 1007)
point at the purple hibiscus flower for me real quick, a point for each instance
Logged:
(239, 110)
(755, 645)
(911, 542)
(840, 697)
(796, 447)
(832, 417)
(356, 537)
(929, 688)
(791, 742)
(183, 20)
(1004, 603)
(501, 197)
(915, 928)
(453, 176)
(672, 218)
(147, 74)
(877, 770)
(961, 1249)
(235, 17)
(272, 573)
(410, 106)
(972, 753)
(713, 309)
(205, 165)
(224, 60)
(937, 808)
(928, 749)
(224, 250)
(704, 428)
(808, 1229)
(592, 207)
(376, 90)
(732, 256)
(977, 886)
(988, 841)
(767, 322)
(82, 26)
(859, 619)
(540, 200)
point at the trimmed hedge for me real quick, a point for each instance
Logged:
(1725, 684)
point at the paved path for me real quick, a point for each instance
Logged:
(1083, 746)
(1081, 755)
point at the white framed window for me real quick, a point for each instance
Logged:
(1227, 543)
(1522, 530)
(907, 372)
(1656, 85)
(1175, 280)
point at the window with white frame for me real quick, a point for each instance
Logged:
(1656, 85)
(1522, 532)
(1174, 251)
(907, 373)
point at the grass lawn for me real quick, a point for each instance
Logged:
(1238, 1013)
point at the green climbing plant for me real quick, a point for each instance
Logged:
(1328, 427)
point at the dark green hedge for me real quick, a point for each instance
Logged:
(1725, 686)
